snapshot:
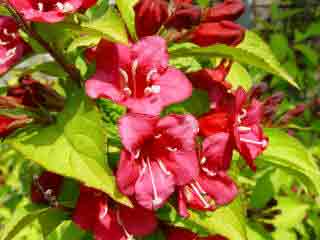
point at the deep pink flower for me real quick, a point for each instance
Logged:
(138, 76)
(150, 15)
(228, 10)
(183, 234)
(50, 11)
(242, 121)
(12, 47)
(224, 32)
(158, 154)
(213, 186)
(119, 223)
(47, 181)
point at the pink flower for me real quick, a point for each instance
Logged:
(119, 223)
(138, 76)
(50, 11)
(213, 186)
(150, 15)
(159, 154)
(242, 121)
(48, 181)
(183, 234)
(12, 47)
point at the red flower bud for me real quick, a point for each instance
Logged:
(224, 32)
(293, 113)
(47, 186)
(228, 10)
(150, 15)
(185, 16)
(9, 124)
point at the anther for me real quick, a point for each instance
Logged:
(203, 160)
(171, 149)
(163, 167)
(262, 143)
(244, 129)
(202, 199)
(208, 172)
(65, 7)
(40, 6)
(150, 75)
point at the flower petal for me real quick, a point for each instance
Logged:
(138, 221)
(214, 122)
(254, 113)
(108, 228)
(220, 187)
(154, 186)
(127, 173)
(182, 204)
(135, 129)
(169, 82)
(217, 149)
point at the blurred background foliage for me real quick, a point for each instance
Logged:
(279, 205)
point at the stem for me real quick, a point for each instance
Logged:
(72, 72)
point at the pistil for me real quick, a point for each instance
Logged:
(157, 200)
(262, 143)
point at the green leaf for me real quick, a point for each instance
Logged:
(158, 235)
(292, 210)
(227, 221)
(110, 26)
(23, 216)
(67, 230)
(282, 234)
(308, 52)
(280, 45)
(126, 8)
(239, 76)
(252, 51)
(289, 154)
(74, 146)
(51, 220)
(85, 41)
(257, 232)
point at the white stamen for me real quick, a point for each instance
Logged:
(156, 89)
(128, 235)
(158, 136)
(137, 155)
(213, 105)
(156, 201)
(163, 167)
(208, 172)
(200, 188)
(242, 115)
(3, 43)
(144, 168)
(150, 74)
(244, 129)
(262, 143)
(125, 76)
(104, 214)
(127, 91)
(203, 160)
(134, 68)
(172, 149)
(65, 7)
(40, 6)
(6, 32)
(9, 54)
(202, 199)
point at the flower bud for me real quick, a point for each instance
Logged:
(293, 113)
(185, 16)
(150, 15)
(228, 10)
(224, 32)
(8, 124)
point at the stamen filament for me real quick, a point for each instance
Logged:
(262, 143)
(163, 167)
(156, 201)
(202, 199)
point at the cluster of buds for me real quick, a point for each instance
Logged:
(32, 97)
(204, 27)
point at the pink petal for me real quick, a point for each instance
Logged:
(135, 129)
(151, 54)
(150, 105)
(174, 87)
(127, 173)
(138, 221)
(217, 150)
(154, 186)
(254, 113)
(182, 204)
(182, 128)
(220, 187)
(183, 165)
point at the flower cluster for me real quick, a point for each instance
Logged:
(12, 47)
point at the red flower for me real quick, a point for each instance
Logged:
(106, 223)
(50, 11)
(183, 234)
(47, 184)
(185, 16)
(229, 10)
(213, 186)
(138, 76)
(150, 15)
(12, 47)
(88, 4)
(32, 93)
(224, 32)
(8, 124)
(242, 122)
(90, 54)
(158, 154)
